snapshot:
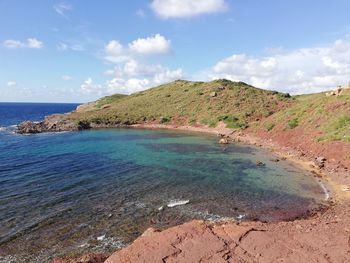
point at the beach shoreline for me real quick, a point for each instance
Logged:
(310, 230)
(306, 163)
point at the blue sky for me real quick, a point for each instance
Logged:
(77, 51)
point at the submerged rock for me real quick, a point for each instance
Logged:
(259, 163)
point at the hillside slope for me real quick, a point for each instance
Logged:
(186, 102)
(315, 125)
(238, 104)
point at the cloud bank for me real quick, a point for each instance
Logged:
(30, 43)
(130, 73)
(187, 8)
(298, 71)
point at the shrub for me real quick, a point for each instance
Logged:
(232, 122)
(267, 113)
(269, 126)
(164, 119)
(83, 125)
(192, 121)
(292, 123)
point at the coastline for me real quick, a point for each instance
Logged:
(331, 224)
(324, 236)
(332, 187)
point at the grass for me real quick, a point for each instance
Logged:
(185, 101)
(237, 104)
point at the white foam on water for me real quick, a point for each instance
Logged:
(212, 217)
(8, 259)
(108, 242)
(239, 217)
(326, 192)
(100, 238)
(174, 203)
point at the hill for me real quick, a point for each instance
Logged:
(238, 104)
(314, 125)
(185, 102)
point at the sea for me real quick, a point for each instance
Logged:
(70, 193)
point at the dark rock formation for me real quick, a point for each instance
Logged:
(52, 123)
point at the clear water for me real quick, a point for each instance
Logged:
(98, 190)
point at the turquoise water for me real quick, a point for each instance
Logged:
(98, 190)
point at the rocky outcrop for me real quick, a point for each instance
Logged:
(197, 241)
(324, 238)
(52, 123)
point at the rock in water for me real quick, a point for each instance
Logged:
(30, 127)
(223, 141)
(259, 163)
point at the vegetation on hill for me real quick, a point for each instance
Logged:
(328, 117)
(238, 104)
(186, 102)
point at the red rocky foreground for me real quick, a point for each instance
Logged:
(323, 238)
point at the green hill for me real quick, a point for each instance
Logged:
(319, 117)
(186, 102)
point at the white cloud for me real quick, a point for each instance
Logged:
(130, 74)
(30, 43)
(89, 87)
(70, 46)
(12, 44)
(114, 48)
(304, 70)
(66, 77)
(62, 8)
(133, 77)
(187, 8)
(116, 53)
(11, 84)
(156, 44)
(34, 43)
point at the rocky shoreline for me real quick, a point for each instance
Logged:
(325, 237)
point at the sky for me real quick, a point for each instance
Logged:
(81, 50)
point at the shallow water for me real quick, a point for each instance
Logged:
(98, 190)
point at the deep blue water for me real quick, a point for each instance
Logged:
(14, 113)
(98, 190)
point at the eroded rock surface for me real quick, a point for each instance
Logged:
(325, 238)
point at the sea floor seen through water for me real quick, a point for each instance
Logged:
(77, 192)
